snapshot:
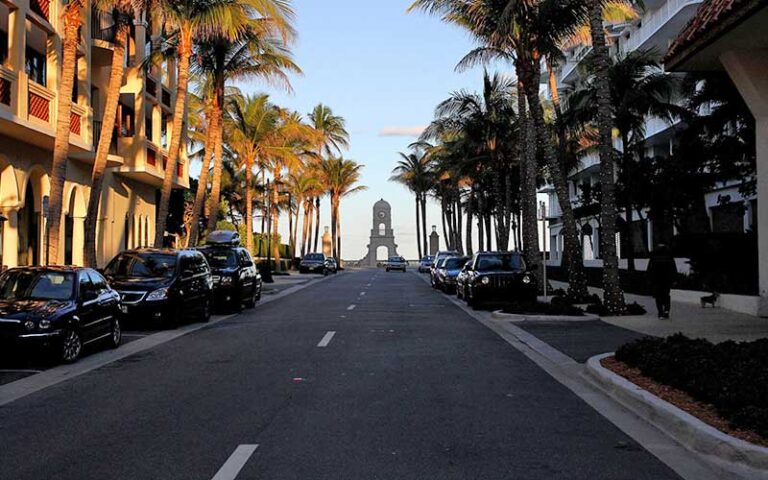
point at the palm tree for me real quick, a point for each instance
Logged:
(123, 12)
(259, 52)
(190, 21)
(303, 185)
(639, 89)
(613, 296)
(413, 171)
(524, 32)
(340, 177)
(333, 137)
(72, 18)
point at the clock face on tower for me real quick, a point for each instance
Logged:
(382, 215)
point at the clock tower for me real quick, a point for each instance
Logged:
(381, 233)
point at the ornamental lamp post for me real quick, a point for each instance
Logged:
(543, 215)
(3, 219)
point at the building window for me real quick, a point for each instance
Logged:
(35, 66)
(3, 46)
(164, 132)
(149, 126)
(126, 117)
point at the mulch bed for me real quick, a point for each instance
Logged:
(704, 412)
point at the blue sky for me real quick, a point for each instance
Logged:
(381, 69)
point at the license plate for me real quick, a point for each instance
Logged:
(124, 308)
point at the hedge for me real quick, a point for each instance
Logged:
(731, 376)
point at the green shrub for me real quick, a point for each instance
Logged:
(731, 376)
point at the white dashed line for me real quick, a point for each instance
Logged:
(351, 307)
(326, 339)
(235, 462)
(362, 294)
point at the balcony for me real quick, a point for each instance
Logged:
(149, 167)
(42, 8)
(661, 26)
(39, 101)
(569, 72)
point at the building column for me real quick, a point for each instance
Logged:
(78, 241)
(11, 239)
(747, 70)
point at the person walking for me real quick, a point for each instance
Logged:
(661, 273)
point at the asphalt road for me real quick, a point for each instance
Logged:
(407, 386)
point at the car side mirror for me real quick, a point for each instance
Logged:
(248, 263)
(187, 273)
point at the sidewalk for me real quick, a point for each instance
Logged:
(283, 282)
(714, 324)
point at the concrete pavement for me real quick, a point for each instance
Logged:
(408, 386)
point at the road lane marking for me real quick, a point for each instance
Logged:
(19, 370)
(235, 462)
(351, 307)
(326, 339)
(362, 294)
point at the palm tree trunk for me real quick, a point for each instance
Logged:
(629, 247)
(424, 222)
(275, 220)
(334, 227)
(577, 280)
(480, 229)
(418, 226)
(470, 208)
(291, 245)
(613, 297)
(317, 223)
(338, 233)
(488, 230)
(202, 182)
(184, 53)
(105, 140)
(310, 218)
(448, 245)
(459, 224)
(61, 143)
(248, 204)
(527, 154)
(217, 156)
(305, 225)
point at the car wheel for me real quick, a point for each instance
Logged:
(251, 302)
(205, 313)
(174, 319)
(471, 300)
(387, 270)
(71, 346)
(117, 334)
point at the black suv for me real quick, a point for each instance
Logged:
(162, 285)
(496, 276)
(62, 308)
(235, 278)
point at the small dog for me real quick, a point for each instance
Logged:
(710, 300)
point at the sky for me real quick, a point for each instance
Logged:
(384, 71)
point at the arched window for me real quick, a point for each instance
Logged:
(382, 229)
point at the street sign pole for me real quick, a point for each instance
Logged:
(543, 212)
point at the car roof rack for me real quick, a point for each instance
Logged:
(223, 238)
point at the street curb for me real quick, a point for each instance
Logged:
(686, 429)
(515, 317)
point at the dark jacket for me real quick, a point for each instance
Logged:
(661, 271)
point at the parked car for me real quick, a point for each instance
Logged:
(441, 255)
(313, 263)
(426, 263)
(59, 308)
(330, 265)
(235, 278)
(500, 276)
(446, 275)
(396, 263)
(433, 273)
(162, 286)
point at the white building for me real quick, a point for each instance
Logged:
(656, 28)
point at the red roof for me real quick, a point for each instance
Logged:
(712, 19)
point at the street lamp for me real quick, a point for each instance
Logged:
(543, 215)
(3, 219)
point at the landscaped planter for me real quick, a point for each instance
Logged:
(691, 432)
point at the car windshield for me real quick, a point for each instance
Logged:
(396, 259)
(221, 258)
(143, 265)
(30, 285)
(427, 259)
(505, 263)
(314, 257)
(454, 263)
(441, 262)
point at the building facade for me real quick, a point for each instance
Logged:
(30, 59)
(656, 28)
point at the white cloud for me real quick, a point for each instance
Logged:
(401, 131)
